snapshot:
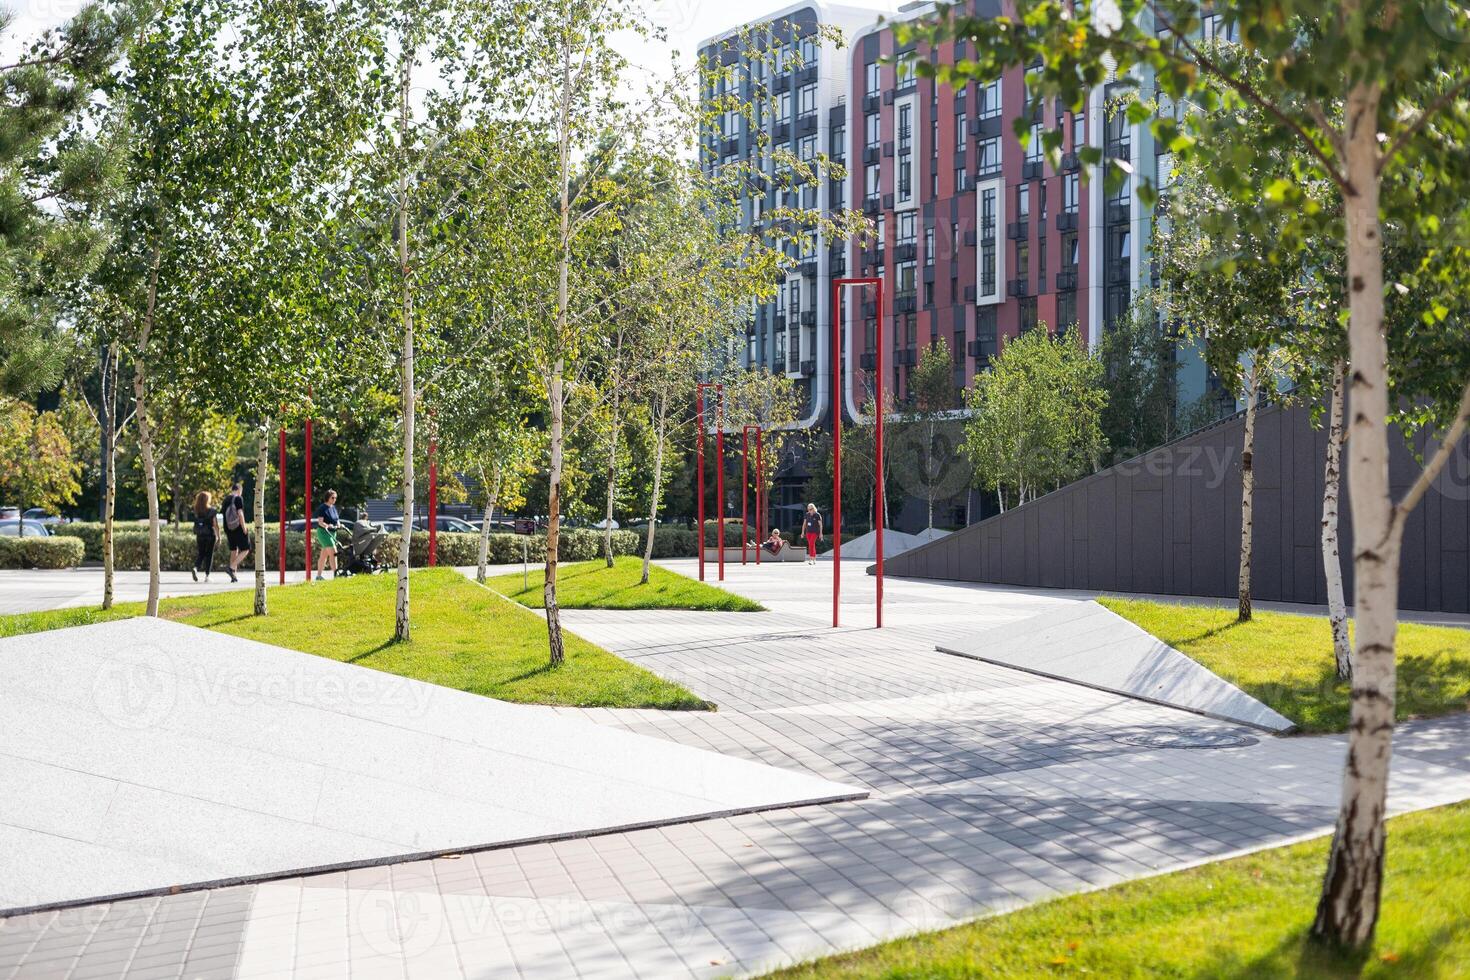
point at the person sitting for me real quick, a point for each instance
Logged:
(774, 543)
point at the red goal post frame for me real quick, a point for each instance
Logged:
(719, 470)
(837, 401)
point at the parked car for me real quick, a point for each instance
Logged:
(39, 514)
(300, 525)
(602, 525)
(11, 528)
(451, 524)
(507, 527)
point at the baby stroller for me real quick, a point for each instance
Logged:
(355, 555)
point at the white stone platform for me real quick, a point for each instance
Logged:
(142, 755)
(1086, 643)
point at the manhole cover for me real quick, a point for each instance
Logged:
(1185, 738)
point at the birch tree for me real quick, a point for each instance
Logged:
(1402, 91)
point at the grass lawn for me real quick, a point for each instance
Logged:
(1244, 918)
(464, 637)
(1286, 660)
(592, 585)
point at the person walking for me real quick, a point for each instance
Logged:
(327, 523)
(206, 534)
(811, 526)
(235, 533)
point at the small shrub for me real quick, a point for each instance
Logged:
(40, 551)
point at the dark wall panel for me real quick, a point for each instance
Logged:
(1169, 522)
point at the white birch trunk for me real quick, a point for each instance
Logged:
(612, 478)
(490, 501)
(553, 522)
(1352, 886)
(555, 385)
(1247, 486)
(1331, 552)
(401, 625)
(262, 473)
(145, 435)
(658, 478)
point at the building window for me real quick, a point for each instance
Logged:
(1034, 72)
(1023, 202)
(1071, 192)
(874, 78)
(905, 127)
(954, 239)
(929, 245)
(808, 52)
(1069, 252)
(1033, 144)
(873, 176)
(1079, 130)
(989, 101)
(903, 70)
(959, 177)
(871, 130)
(934, 138)
(1023, 261)
(1027, 307)
(989, 155)
(782, 111)
(961, 124)
(928, 294)
(806, 148)
(837, 141)
(904, 274)
(1067, 309)
(987, 213)
(907, 228)
(806, 99)
(989, 206)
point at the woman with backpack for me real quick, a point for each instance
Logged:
(811, 527)
(206, 534)
(235, 533)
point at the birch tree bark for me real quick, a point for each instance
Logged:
(612, 472)
(262, 474)
(145, 432)
(401, 626)
(1331, 553)
(1248, 486)
(553, 520)
(490, 500)
(658, 477)
(1351, 890)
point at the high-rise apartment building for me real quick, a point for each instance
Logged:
(979, 237)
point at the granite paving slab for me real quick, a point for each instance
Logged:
(144, 755)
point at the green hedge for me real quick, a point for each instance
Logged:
(40, 551)
(130, 545)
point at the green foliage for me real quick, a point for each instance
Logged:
(39, 551)
(924, 440)
(54, 165)
(1141, 375)
(1036, 416)
(37, 468)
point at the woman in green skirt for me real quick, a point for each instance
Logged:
(325, 532)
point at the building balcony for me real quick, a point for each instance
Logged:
(872, 204)
(1119, 270)
(905, 252)
(869, 309)
(1066, 281)
(970, 294)
(871, 153)
(929, 272)
(905, 303)
(1070, 162)
(781, 83)
(889, 96)
(872, 256)
(837, 265)
(1018, 230)
(888, 148)
(1120, 150)
(887, 202)
(907, 357)
(987, 127)
(1018, 287)
(868, 360)
(808, 267)
(965, 183)
(781, 132)
(778, 322)
(1067, 221)
(808, 318)
(977, 348)
(806, 75)
(807, 368)
(729, 147)
(1031, 169)
(871, 101)
(806, 124)
(1118, 212)
(793, 363)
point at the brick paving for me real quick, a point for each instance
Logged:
(990, 789)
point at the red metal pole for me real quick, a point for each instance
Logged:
(878, 449)
(308, 498)
(433, 502)
(281, 473)
(720, 472)
(699, 470)
(836, 355)
(744, 486)
(760, 496)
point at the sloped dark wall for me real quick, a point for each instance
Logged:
(1169, 522)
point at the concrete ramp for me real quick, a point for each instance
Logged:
(1087, 644)
(142, 756)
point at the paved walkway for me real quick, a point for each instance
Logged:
(33, 589)
(991, 788)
